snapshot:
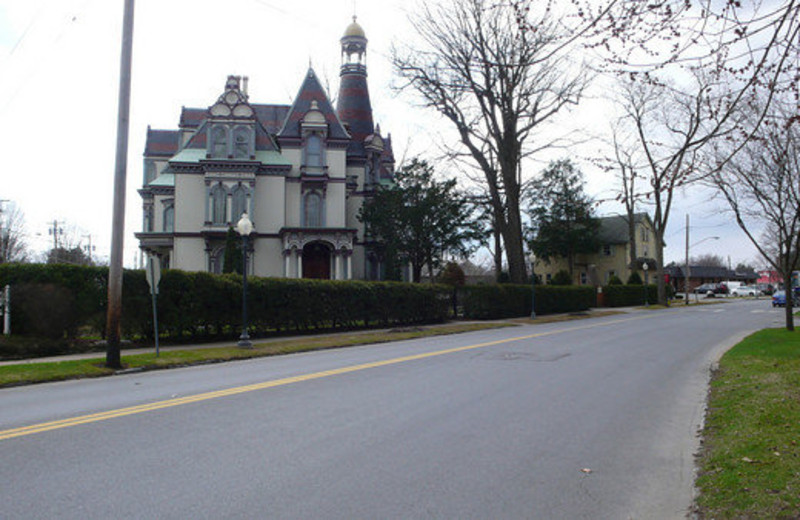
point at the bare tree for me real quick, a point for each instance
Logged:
(498, 83)
(12, 235)
(708, 260)
(672, 125)
(762, 186)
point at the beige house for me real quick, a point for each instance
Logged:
(614, 256)
(301, 172)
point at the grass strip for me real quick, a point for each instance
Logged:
(29, 373)
(749, 465)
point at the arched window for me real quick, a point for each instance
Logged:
(312, 210)
(239, 203)
(219, 205)
(241, 143)
(219, 142)
(314, 150)
(169, 219)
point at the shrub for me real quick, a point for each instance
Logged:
(561, 278)
(614, 280)
(452, 274)
(635, 279)
(627, 295)
(510, 301)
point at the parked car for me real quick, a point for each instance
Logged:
(745, 290)
(765, 288)
(711, 289)
(779, 298)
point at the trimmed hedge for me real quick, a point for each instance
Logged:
(55, 301)
(487, 302)
(627, 295)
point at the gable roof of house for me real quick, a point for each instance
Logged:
(614, 228)
(311, 90)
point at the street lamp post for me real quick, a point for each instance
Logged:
(244, 227)
(533, 288)
(644, 268)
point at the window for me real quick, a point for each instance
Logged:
(645, 234)
(239, 203)
(241, 143)
(219, 205)
(611, 274)
(607, 249)
(169, 219)
(219, 142)
(584, 278)
(548, 277)
(148, 218)
(314, 151)
(312, 210)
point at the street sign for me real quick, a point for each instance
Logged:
(153, 273)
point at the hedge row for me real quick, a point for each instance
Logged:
(508, 301)
(57, 300)
(627, 295)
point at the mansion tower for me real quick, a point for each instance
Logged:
(300, 172)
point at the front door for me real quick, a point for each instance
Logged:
(316, 261)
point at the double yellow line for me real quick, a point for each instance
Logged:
(169, 403)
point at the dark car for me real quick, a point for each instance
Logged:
(765, 288)
(711, 289)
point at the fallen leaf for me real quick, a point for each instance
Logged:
(747, 459)
(586, 470)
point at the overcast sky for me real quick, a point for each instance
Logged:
(59, 71)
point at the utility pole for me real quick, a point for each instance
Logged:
(89, 248)
(55, 231)
(114, 316)
(686, 273)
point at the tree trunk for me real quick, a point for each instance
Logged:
(662, 290)
(789, 309)
(512, 238)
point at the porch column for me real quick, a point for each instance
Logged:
(349, 262)
(337, 265)
(287, 263)
(299, 262)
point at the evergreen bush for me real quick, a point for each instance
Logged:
(635, 279)
(561, 278)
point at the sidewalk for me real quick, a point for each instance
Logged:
(232, 342)
(223, 344)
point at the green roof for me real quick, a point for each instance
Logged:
(195, 155)
(165, 179)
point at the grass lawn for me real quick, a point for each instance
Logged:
(749, 466)
(56, 371)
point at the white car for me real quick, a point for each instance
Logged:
(745, 290)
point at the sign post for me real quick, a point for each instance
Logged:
(153, 275)
(7, 311)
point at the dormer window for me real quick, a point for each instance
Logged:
(241, 143)
(314, 151)
(218, 145)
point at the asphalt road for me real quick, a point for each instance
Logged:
(586, 419)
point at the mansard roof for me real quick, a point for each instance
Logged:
(270, 116)
(311, 90)
(161, 143)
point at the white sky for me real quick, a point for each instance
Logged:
(59, 70)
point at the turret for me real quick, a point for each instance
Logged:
(353, 105)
